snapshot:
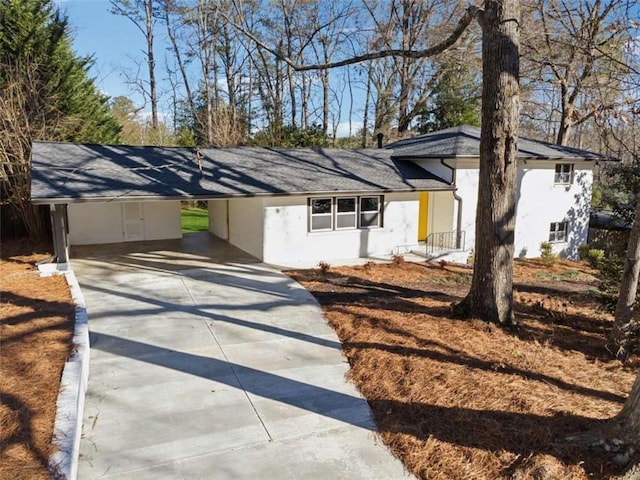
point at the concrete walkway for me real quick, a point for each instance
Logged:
(207, 364)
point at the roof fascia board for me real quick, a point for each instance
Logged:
(527, 158)
(55, 200)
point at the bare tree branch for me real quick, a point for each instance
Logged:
(466, 19)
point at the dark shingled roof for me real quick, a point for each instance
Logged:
(464, 142)
(66, 172)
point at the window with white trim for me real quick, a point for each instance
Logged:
(346, 216)
(558, 232)
(369, 212)
(321, 214)
(345, 213)
(564, 174)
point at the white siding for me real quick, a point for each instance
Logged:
(287, 241)
(92, 223)
(218, 218)
(162, 220)
(246, 225)
(96, 223)
(441, 212)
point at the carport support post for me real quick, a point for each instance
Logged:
(58, 214)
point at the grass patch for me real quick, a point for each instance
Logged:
(455, 278)
(194, 220)
(566, 276)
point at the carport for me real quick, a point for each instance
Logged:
(265, 201)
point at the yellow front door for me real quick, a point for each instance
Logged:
(423, 216)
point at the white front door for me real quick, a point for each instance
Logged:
(133, 221)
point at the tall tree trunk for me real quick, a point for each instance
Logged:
(291, 81)
(304, 99)
(566, 112)
(325, 104)
(629, 416)
(491, 295)
(621, 335)
(151, 64)
(365, 118)
(178, 55)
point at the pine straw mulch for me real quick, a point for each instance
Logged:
(457, 399)
(36, 327)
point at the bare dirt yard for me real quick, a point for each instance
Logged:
(36, 325)
(463, 399)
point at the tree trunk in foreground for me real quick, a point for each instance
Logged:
(491, 294)
(621, 335)
(629, 417)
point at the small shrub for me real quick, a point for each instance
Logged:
(368, 266)
(583, 251)
(324, 267)
(397, 259)
(610, 268)
(546, 254)
(595, 257)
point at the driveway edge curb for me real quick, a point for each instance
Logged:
(67, 429)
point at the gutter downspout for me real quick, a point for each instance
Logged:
(228, 223)
(458, 199)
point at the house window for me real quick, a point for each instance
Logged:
(558, 232)
(369, 212)
(345, 213)
(564, 174)
(321, 214)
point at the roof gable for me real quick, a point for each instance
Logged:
(464, 142)
(85, 172)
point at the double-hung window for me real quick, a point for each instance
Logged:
(346, 216)
(345, 213)
(558, 232)
(321, 214)
(369, 212)
(564, 174)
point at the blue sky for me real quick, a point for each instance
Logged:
(112, 40)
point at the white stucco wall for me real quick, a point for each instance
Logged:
(218, 218)
(539, 203)
(96, 223)
(467, 183)
(287, 241)
(246, 225)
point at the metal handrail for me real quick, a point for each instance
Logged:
(438, 241)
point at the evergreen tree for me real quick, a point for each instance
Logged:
(455, 99)
(47, 94)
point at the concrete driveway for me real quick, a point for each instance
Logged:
(207, 364)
